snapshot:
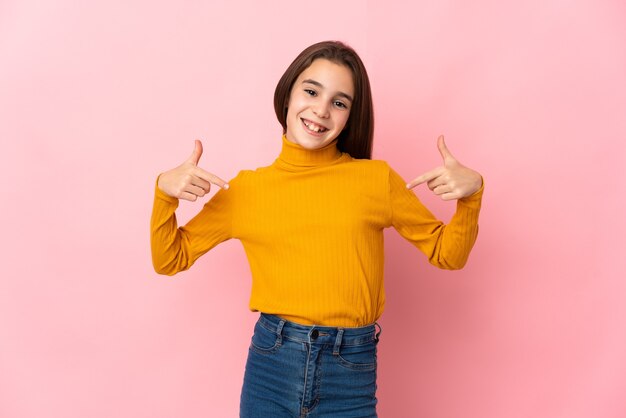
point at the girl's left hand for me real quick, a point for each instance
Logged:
(452, 180)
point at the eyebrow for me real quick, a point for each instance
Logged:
(318, 84)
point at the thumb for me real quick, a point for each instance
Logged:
(196, 154)
(444, 151)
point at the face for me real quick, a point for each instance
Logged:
(319, 104)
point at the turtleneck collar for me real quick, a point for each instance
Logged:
(295, 156)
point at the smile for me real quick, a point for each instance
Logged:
(313, 127)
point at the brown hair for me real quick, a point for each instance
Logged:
(357, 136)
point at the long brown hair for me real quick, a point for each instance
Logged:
(357, 136)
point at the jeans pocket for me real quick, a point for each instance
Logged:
(358, 357)
(264, 341)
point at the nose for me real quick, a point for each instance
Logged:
(321, 110)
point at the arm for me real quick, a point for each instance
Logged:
(446, 246)
(175, 249)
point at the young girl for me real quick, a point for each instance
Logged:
(312, 228)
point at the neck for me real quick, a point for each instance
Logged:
(295, 155)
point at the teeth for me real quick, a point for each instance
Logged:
(313, 127)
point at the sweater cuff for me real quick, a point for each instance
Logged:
(476, 197)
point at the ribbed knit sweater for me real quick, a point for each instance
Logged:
(312, 227)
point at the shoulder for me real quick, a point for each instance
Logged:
(248, 177)
(380, 165)
(371, 175)
(248, 174)
(380, 171)
(373, 167)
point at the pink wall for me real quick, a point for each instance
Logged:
(96, 100)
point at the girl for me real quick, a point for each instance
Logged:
(312, 228)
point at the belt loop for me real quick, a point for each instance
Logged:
(338, 341)
(279, 330)
(379, 332)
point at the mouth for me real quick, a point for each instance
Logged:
(313, 127)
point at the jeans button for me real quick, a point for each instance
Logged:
(315, 334)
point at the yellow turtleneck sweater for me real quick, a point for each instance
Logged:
(312, 227)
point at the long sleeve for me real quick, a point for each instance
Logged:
(446, 246)
(312, 227)
(175, 249)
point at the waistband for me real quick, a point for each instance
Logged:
(339, 336)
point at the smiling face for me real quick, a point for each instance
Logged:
(319, 104)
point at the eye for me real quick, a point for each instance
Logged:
(340, 104)
(310, 92)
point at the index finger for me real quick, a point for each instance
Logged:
(205, 175)
(428, 176)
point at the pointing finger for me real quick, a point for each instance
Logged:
(428, 176)
(437, 181)
(205, 175)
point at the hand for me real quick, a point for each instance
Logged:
(188, 181)
(452, 180)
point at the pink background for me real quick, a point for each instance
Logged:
(96, 100)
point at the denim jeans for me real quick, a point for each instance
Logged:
(296, 370)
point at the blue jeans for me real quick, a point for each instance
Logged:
(296, 370)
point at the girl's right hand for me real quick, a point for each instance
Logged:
(188, 181)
